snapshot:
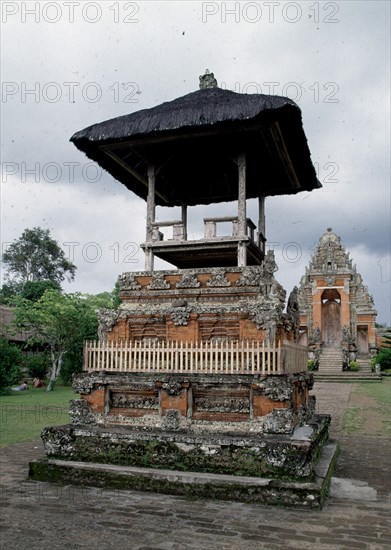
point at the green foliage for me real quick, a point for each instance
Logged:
(35, 256)
(31, 290)
(353, 366)
(115, 296)
(73, 360)
(34, 290)
(383, 358)
(312, 365)
(37, 365)
(62, 322)
(103, 300)
(56, 320)
(10, 364)
(9, 290)
(73, 363)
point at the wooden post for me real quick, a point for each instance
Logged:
(184, 220)
(261, 223)
(242, 214)
(150, 216)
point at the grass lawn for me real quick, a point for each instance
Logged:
(24, 414)
(369, 409)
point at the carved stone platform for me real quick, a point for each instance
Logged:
(227, 425)
(194, 403)
(233, 303)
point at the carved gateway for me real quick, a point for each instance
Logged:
(334, 303)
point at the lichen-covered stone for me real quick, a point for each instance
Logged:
(281, 456)
(279, 421)
(171, 421)
(206, 403)
(80, 413)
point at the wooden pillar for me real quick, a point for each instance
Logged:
(150, 217)
(184, 220)
(261, 223)
(242, 214)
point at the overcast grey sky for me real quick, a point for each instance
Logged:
(69, 64)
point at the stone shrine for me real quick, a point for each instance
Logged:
(336, 310)
(197, 385)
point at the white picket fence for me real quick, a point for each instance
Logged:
(201, 357)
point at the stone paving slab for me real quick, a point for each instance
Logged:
(40, 516)
(332, 398)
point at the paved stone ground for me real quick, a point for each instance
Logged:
(332, 398)
(41, 516)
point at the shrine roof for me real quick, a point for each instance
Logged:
(193, 142)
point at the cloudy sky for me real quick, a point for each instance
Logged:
(69, 64)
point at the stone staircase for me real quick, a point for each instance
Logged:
(330, 361)
(330, 369)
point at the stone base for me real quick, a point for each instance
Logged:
(282, 456)
(309, 494)
(193, 403)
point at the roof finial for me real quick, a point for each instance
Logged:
(207, 80)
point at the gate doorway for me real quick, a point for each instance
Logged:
(362, 340)
(331, 318)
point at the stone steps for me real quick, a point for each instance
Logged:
(330, 369)
(330, 362)
(346, 377)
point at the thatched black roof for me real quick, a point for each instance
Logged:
(200, 108)
(194, 140)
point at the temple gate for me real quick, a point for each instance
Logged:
(336, 310)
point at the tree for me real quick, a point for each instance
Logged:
(383, 358)
(56, 320)
(10, 364)
(34, 290)
(62, 322)
(35, 256)
(73, 360)
(9, 290)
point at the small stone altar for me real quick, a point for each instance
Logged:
(197, 385)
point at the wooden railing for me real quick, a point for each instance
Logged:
(202, 357)
(210, 231)
(178, 230)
